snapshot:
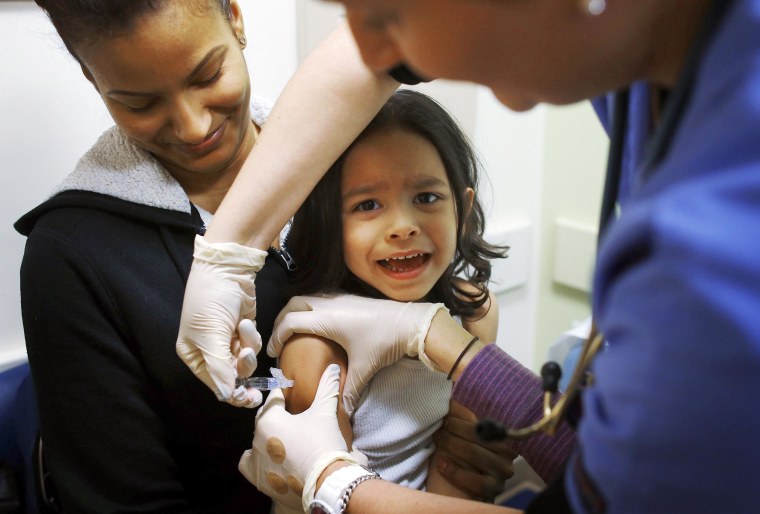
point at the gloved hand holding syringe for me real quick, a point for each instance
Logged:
(276, 381)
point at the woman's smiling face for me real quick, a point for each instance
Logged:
(177, 84)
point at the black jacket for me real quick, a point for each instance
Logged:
(126, 426)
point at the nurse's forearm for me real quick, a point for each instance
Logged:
(325, 105)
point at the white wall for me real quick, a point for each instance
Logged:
(511, 147)
(575, 153)
(50, 115)
(271, 53)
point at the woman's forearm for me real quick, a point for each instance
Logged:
(380, 497)
(325, 105)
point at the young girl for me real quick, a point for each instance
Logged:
(395, 217)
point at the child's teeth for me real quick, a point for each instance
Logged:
(407, 257)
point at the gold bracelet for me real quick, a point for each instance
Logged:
(456, 362)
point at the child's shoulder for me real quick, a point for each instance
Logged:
(484, 322)
(470, 288)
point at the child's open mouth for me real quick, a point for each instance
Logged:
(405, 264)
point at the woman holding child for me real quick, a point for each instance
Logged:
(126, 425)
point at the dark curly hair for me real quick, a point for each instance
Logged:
(315, 241)
(81, 22)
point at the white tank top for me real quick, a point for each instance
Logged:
(398, 414)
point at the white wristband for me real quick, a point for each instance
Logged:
(334, 493)
(416, 347)
(231, 254)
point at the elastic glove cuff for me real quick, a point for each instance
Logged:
(310, 485)
(417, 343)
(231, 254)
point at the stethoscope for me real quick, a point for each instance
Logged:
(657, 148)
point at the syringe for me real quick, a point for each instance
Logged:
(276, 381)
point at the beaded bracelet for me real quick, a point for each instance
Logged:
(456, 362)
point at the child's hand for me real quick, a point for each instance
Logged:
(283, 463)
(375, 333)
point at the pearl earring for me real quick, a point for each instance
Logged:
(596, 7)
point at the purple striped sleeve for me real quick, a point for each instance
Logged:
(496, 386)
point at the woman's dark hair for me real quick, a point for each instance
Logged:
(80, 22)
(315, 241)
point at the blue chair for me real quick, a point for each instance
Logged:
(22, 476)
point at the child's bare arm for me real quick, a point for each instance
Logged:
(303, 360)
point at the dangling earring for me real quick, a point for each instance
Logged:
(243, 41)
(596, 7)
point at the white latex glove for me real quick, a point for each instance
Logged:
(217, 314)
(290, 451)
(374, 333)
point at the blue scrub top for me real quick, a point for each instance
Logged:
(671, 424)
